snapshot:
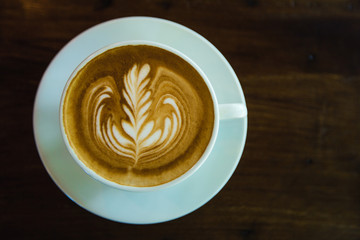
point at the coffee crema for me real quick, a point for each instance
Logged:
(138, 115)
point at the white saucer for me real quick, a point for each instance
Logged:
(131, 207)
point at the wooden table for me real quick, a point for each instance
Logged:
(298, 62)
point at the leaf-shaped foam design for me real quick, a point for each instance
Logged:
(139, 135)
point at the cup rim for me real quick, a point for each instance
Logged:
(172, 182)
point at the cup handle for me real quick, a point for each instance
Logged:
(232, 110)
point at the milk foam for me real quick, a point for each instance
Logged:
(142, 132)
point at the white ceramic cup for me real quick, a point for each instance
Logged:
(221, 113)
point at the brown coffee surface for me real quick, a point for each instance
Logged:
(138, 115)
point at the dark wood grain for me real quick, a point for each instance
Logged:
(299, 65)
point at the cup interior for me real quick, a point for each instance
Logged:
(179, 179)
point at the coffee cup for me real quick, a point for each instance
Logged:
(141, 116)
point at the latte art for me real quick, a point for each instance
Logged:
(143, 137)
(138, 115)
